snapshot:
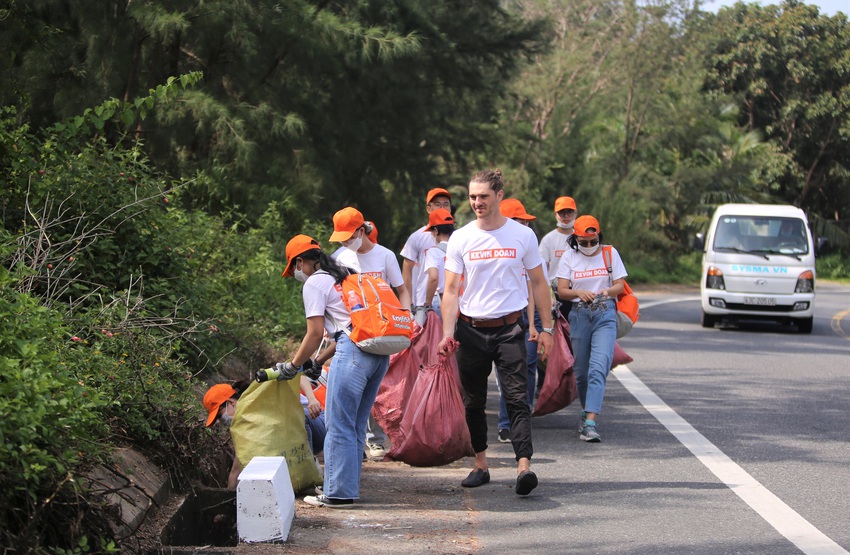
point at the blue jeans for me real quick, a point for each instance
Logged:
(531, 361)
(316, 431)
(593, 333)
(352, 387)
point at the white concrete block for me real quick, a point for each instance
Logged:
(265, 503)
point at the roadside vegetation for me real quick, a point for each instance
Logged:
(155, 157)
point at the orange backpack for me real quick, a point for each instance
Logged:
(378, 323)
(628, 309)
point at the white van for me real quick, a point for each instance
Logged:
(758, 263)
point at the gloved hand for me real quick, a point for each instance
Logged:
(311, 369)
(420, 314)
(285, 370)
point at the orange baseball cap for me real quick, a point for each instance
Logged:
(216, 396)
(565, 203)
(513, 208)
(373, 235)
(583, 224)
(346, 222)
(439, 191)
(440, 216)
(297, 246)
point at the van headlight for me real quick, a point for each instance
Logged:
(805, 283)
(714, 278)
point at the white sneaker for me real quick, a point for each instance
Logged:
(330, 502)
(376, 450)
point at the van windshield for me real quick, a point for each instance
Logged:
(761, 235)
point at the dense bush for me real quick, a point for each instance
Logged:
(833, 266)
(116, 309)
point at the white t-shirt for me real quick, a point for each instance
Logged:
(492, 263)
(436, 258)
(323, 297)
(552, 246)
(378, 262)
(415, 248)
(337, 252)
(589, 272)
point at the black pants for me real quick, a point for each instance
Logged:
(479, 349)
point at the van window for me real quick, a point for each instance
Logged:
(767, 234)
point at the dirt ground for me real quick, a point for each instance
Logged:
(402, 509)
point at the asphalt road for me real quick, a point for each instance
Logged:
(767, 409)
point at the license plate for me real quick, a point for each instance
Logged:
(761, 301)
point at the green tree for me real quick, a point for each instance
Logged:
(788, 67)
(303, 101)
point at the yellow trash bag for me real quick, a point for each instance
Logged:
(269, 422)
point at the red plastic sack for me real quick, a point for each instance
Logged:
(559, 386)
(426, 342)
(388, 409)
(620, 356)
(434, 430)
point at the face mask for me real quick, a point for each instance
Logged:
(226, 419)
(588, 251)
(566, 226)
(299, 275)
(354, 244)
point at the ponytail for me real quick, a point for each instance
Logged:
(328, 264)
(337, 271)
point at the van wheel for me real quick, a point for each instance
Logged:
(804, 325)
(708, 320)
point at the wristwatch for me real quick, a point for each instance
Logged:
(550, 331)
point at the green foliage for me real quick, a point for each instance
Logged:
(116, 302)
(787, 68)
(834, 267)
(51, 423)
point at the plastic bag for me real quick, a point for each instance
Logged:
(425, 344)
(620, 356)
(434, 430)
(269, 422)
(559, 386)
(388, 409)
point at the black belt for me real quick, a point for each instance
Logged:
(505, 320)
(338, 334)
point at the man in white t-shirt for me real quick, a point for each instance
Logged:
(414, 250)
(365, 257)
(490, 254)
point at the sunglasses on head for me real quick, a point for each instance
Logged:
(588, 243)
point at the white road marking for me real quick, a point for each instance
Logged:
(666, 301)
(783, 518)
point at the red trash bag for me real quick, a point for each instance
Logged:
(434, 430)
(559, 386)
(620, 356)
(394, 392)
(426, 343)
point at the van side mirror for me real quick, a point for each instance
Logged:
(699, 242)
(820, 245)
